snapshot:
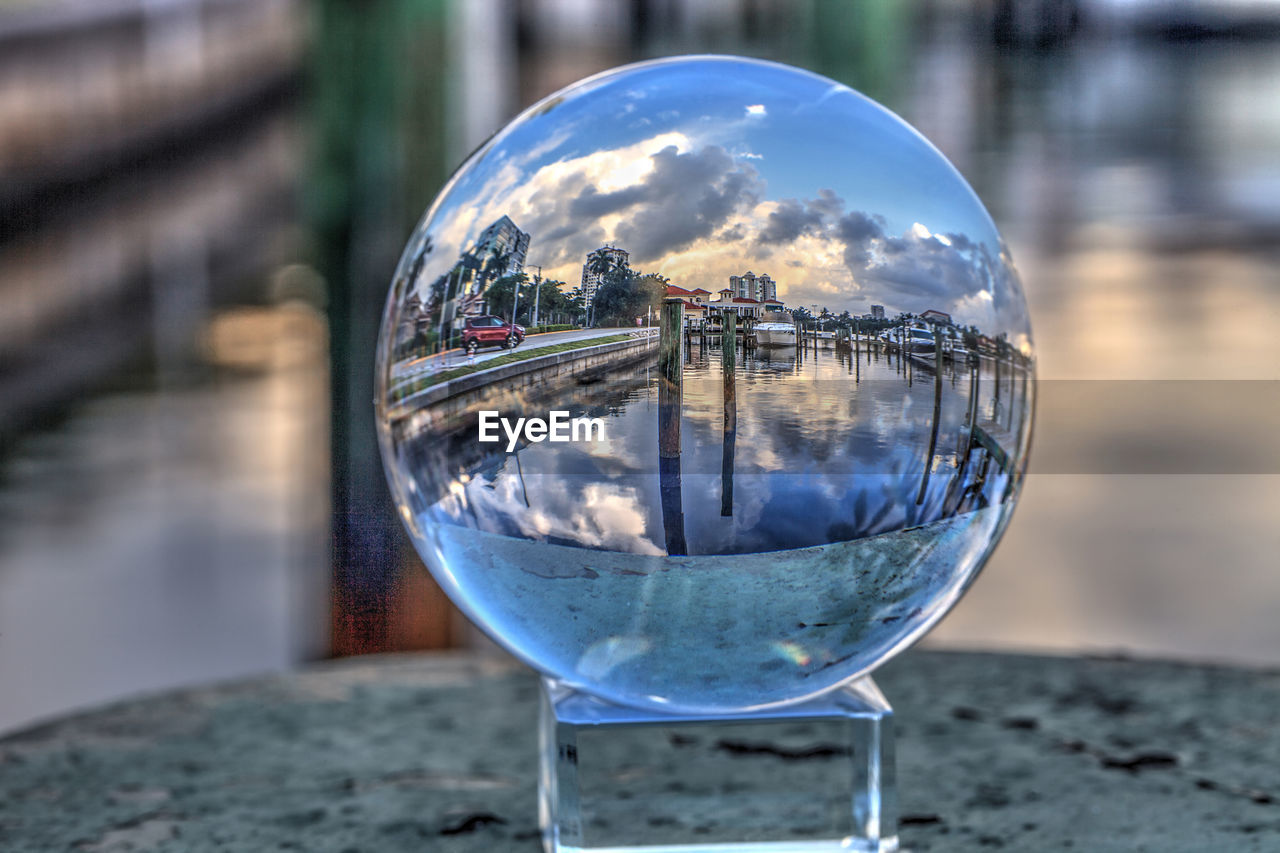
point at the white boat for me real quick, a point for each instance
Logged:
(920, 340)
(954, 349)
(916, 340)
(775, 334)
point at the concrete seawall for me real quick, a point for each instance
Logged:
(507, 386)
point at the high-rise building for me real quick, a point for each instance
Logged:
(752, 286)
(592, 278)
(767, 288)
(877, 312)
(502, 241)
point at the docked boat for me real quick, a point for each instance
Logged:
(954, 349)
(775, 334)
(919, 340)
(916, 340)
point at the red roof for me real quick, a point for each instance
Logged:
(700, 290)
(746, 299)
(689, 304)
(773, 302)
(673, 290)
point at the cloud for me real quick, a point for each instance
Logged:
(792, 218)
(787, 221)
(652, 205)
(591, 203)
(698, 213)
(732, 234)
(686, 197)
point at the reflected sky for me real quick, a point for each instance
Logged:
(825, 451)
(704, 169)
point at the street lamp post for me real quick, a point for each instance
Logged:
(537, 293)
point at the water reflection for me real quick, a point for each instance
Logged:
(784, 434)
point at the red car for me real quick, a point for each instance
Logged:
(487, 331)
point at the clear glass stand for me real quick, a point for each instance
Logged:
(812, 777)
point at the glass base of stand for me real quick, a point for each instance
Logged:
(813, 777)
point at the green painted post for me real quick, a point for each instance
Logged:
(377, 125)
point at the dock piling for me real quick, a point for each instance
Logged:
(730, 431)
(670, 402)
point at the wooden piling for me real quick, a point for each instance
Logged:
(937, 414)
(730, 431)
(995, 387)
(1013, 393)
(670, 374)
(670, 402)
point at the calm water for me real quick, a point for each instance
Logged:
(631, 574)
(827, 450)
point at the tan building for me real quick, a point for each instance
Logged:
(695, 305)
(751, 286)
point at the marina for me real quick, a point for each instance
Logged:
(938, 434)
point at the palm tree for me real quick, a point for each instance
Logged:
(600, 264)
(495, 266)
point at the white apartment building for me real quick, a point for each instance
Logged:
(592, 280)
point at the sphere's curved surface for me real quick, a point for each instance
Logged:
(802, 421)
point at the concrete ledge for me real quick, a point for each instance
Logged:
(472, 387)
(438, 753)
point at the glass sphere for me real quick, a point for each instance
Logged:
(706, 384)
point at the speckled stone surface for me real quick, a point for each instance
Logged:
(438, 753)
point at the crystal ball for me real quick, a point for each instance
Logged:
(706, 384)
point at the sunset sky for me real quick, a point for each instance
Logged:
(705, 169)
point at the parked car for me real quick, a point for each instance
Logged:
(486, 331)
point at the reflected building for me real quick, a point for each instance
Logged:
(505, 244)
(750, 286)
(695, 304)
(728, 301)
(594, 270)
(498, 251)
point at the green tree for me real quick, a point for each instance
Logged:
(601, 263)
(625, 295)
(554, 303)
(501, 295)
(576, 306)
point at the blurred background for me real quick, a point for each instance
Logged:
(202, 201)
